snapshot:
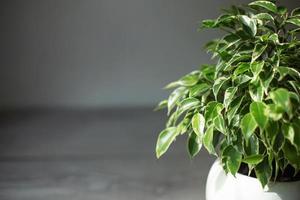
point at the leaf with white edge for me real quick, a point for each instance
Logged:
(274, 112)
(284, 71)
(257, 110)
(175, 96)
(218, 85)
(296, 126)
(274, 38)
(271, 131)
(248, 126)
(219, 124)
(242, 68)
(288, 132)
(295, 21)
(212, 110)
(290, 152)
(229, 95)
(199, 89)
(264, 16)
(256, 92)
(249, 25)
(295, 12)
(198, 124)
(234, 108)
(163, 104)
(188, 104)
(258, 51)
(165, 139)
(263, 172)
(281, 98)
(253, 159)
(265, 4)
(208, 139)
(233, 159)
(194, 144)
(256, 68)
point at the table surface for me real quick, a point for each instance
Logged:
(105, 154)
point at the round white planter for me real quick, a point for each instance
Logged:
(220, 186)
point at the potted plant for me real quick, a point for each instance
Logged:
(245, 108)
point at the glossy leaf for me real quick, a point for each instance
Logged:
(258, 51)
(254, 159)
(175, 97)
(194, 144)
(295, 21)
(208, 140)
(198, 124)
(265, 4)
(165, 139)
(233, 159)
(249, 25)
(257, 110)
(229, 95)
(248, 125)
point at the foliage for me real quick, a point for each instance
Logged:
(246, 107)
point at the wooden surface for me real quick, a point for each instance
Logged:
(94, 155)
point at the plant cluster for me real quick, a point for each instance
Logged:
(245, 108)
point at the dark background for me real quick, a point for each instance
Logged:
(78, 82)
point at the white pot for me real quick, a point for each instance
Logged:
(220, 186)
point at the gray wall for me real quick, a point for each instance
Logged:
(98, 53)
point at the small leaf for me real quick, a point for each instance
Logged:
(242, 68)
(199, 89)
(265, 4)
(288, 132)
(256, 92)
(212, 110)
(175, 96)
(296, 12)
(163, 104)
(234, 108)
(253, 159)
(233, 159)
(187, 104)
(218, 85)
(263, 172)
(294, 21)
(258, 51)
(208, 140)
(274, 112)
(264, 16)
(290, 152)
(257, 110)
(198, 124)
(229, 94)
(249, 25)
(281, 98)
(165, 138)
(256, 68)
(248, 126)
(219, 124)
(194, 144)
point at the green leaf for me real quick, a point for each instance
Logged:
(264, 16)
(258, 51)
(188, 104)
(281, 98)
(249, 25)
(296, 126)
(288, 132)
(212, 110)
(263, 172)
(229, 94)
(274, 112)
(198, 124)
(208, 140)
(233, 159)
(253, 159)
(219, 124)
(218, 85)
(163, 104)
(194, 144)
(290, 152)
(242, 68)
(256, 68)
(256, 92)
(265, 4)
(257, 110)
(284, 71)
(234, 108)
(248, 126)
(295, 21)
(209, 23)
(295, 12)
(199, 89)
(175, 96)
(165, 138)
(271, 132)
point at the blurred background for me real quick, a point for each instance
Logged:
(79, 80)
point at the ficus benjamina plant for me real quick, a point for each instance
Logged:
(245, 108)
